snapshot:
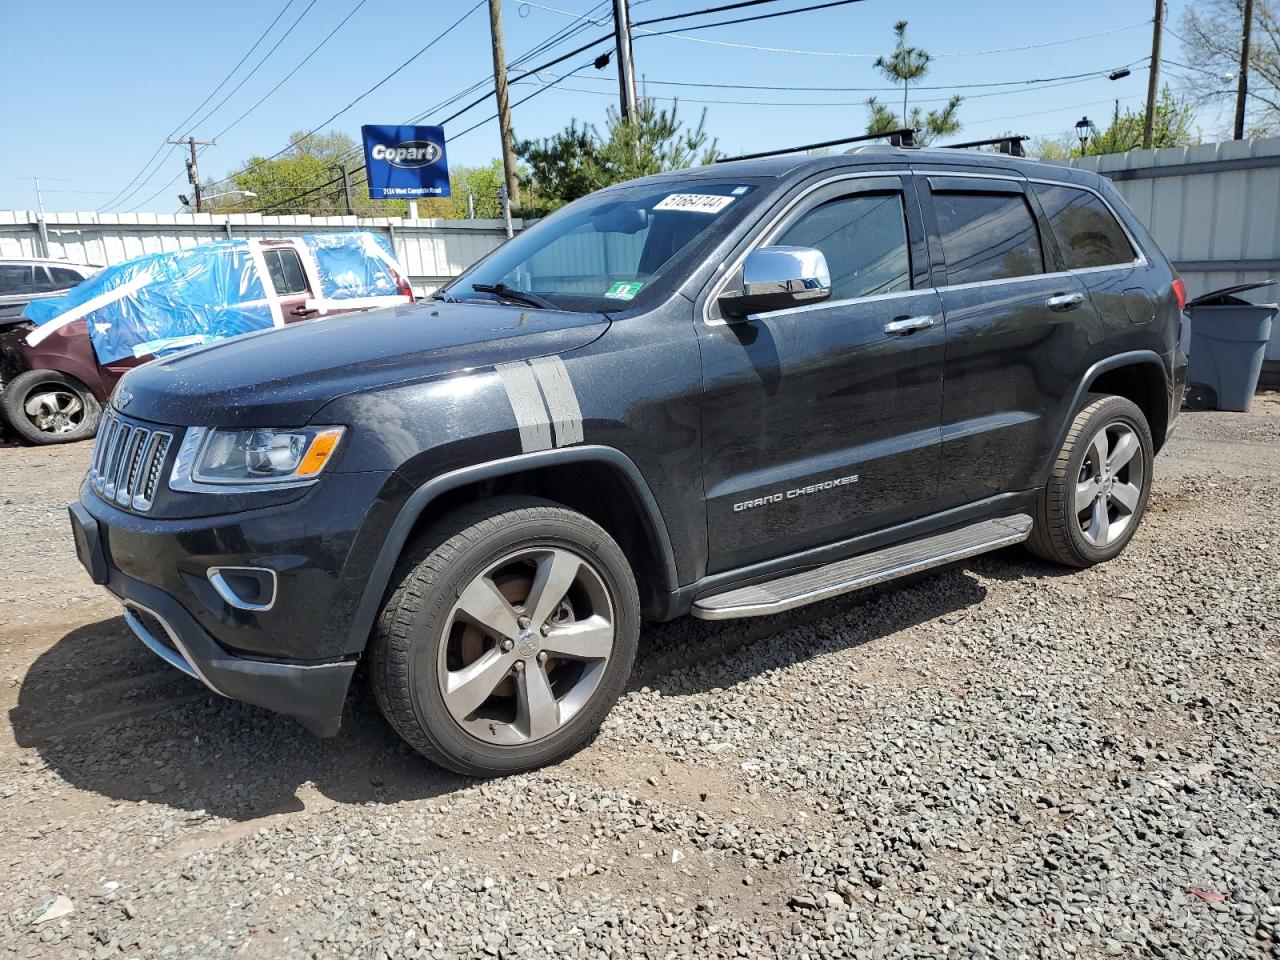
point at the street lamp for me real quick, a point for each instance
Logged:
(1084, 130)
(186, 201)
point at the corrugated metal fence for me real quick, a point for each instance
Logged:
(432, 251)
(1213, 208)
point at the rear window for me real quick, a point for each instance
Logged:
(1087, 232)
(987, 236)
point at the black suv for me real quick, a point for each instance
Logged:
(726, 391)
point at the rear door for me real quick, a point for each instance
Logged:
(1016, 328)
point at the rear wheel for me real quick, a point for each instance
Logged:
(1099, 486)
(45, 406)
(508, 636)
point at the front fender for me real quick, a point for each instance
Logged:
(421, 498)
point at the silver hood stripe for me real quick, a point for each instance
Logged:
(542, 397)
(562, 401)
(527, 404)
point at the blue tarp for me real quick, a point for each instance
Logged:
(349, 265)
(207, 293)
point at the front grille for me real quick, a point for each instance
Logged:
(127, 460)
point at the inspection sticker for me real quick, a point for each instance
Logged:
(624, 290)
(694, 202)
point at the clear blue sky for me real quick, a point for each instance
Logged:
(93, 88)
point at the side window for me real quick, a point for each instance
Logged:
(286, 271)
(863, 237)
(15, 279)
(43, 283)
(987, 236)
(64, 279)
(1087, 232)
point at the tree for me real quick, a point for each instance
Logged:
(580, 159)
(928, 126)
(304, 179)
(1172, 128)
(1211, 45)
(905, 64)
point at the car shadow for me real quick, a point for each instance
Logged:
(107, 716)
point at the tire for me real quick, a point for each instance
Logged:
(493, 562)
(1087, 515)
(45, 406)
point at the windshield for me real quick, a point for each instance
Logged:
(612, 250)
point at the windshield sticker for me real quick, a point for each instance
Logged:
(625, 289)
(694, 202)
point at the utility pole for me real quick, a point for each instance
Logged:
(346, 190)
(504, 107)
(1242, 84)
(1153, 76)
(626, 67)
(193, 168)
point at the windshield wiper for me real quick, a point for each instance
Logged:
(511, 293)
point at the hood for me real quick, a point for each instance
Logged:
(281, 377)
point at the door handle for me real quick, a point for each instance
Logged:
(905, 325)
(1065, 301)
(302, 311)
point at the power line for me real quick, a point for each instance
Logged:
(333, 116)
(234, 90)
(212, 93)
(243, 80)
(1045, 84)
(301, 63)
(265, 57)
(761, 16)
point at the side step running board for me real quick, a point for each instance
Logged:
(864, 570)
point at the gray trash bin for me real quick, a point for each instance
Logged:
(1228, 340)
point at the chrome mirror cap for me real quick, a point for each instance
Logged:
(774, 278)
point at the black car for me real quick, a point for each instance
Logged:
(726, 391)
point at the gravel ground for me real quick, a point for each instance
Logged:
(1000, 759)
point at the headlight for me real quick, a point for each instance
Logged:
(264, 455)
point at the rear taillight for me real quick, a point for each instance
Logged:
(1180, 291)
(404, 287)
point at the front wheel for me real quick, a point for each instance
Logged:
(1099, 486)
(508, 636)
(45, 406)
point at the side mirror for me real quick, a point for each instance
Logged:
(774, 278)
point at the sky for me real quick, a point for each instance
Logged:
(94, 89)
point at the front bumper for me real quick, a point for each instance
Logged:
(295, 655)
(312, 693)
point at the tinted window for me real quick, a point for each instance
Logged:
(15, 280)
(1087, 232)
(63, 278)
(987, 236)
(286, 271)
(43, 283)
(863, 237)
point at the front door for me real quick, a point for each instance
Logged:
(821, 422)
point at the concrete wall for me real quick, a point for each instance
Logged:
(432, 251)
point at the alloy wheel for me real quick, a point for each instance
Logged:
(54, 410)
(526, 645)
(1110, 484)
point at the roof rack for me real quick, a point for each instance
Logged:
(899, 138)
(1012, 145)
